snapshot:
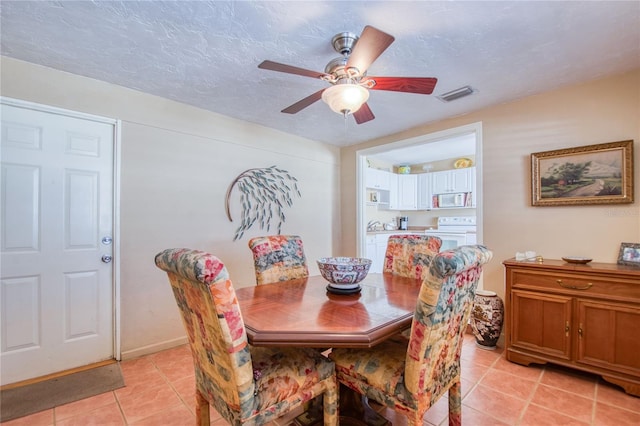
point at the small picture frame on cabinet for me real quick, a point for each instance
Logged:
(629, 254)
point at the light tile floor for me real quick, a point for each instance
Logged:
(160, 391)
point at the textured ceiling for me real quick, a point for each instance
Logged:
(206, 53)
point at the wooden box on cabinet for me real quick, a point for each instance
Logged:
(580, 316)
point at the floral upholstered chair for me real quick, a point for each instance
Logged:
(278, 258)
(247, 385)
(410, 255)
(410, 377)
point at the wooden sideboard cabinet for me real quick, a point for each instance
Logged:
(581, 316)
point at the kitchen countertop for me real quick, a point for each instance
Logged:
(412, 229)
(415, 229)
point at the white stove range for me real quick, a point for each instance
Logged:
(455, 231)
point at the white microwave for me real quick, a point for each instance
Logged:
(458, 199)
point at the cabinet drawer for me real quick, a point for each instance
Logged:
(577, 284)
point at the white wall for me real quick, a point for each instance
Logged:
(177, 162)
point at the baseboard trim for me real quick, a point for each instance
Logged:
(156, 347)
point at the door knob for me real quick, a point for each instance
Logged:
(106, 258)
(106, 240)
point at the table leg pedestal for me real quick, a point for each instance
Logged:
(354, 411)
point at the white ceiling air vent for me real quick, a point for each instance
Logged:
(456, 94)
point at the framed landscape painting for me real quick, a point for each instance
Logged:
(592, 174)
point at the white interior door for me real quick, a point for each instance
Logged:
(57, 228)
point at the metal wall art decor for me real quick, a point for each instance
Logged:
(592, 174)
(264, 192)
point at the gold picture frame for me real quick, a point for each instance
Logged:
(591, 174)
(629, 254)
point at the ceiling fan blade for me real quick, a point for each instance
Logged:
(421, 85)
(303, 103)
(363, 114)
(276, 66)
(370, 45)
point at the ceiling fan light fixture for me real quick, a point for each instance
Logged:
(345, 98)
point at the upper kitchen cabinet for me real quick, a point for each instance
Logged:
(402, 193)
(425, 191)
(456, 180)
(377, 179)
(393, 193)
(407, 192)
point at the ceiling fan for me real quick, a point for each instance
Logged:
(348, 77)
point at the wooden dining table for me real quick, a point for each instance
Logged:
(303, 313)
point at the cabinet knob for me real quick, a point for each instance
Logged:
(574, 287)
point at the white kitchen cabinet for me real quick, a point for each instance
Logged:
(407, 192)
(456, 180)
(393, 192)
(370, 252)
(402, 192)
(381, 250)
(375, 250)
(424, 191)
(377, 179)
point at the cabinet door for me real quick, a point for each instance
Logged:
(381, 250)
(424, 191)
(407, 192)
(371, 178)
(461, 180)
(607, 336)
(457, 180)
(370, 250)
(541, 323)
(377, 179)
(393, 192)
(440, 182)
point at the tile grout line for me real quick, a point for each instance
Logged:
(124, 418)
(595, 403)
(527, 404)
(488, 368)
(567, 391)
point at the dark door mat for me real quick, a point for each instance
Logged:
(29, 399)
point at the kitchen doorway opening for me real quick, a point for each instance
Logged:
(426, 156)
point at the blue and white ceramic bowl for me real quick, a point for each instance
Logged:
(344, 272)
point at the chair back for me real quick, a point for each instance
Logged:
(442, 312)
(211, 316)
(410, 255)
(278, 258)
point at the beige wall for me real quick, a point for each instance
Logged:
(176, 164)
(601, 111)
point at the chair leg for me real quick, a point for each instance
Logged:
(455, 404)
(202, 410)
(330, 404)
